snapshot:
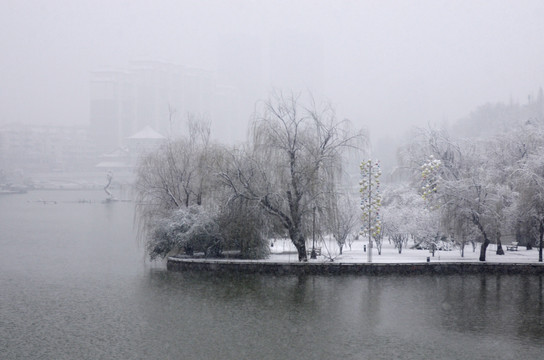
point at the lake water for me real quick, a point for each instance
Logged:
(74, 284)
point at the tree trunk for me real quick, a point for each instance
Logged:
(483, 248)
(541, 228)
(187, 198)
(300, 244)
(500, 251)
(341, 247)
(301, 249)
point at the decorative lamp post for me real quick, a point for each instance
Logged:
(430, 179)
(371, 202)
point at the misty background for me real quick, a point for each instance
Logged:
(385, 65)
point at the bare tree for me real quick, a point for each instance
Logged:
(460, 228)
(292, 163)
(175, 175)
(342, 220)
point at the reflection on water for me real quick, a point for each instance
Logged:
(74, 285)
(377, 317)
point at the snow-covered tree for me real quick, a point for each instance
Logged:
(469, 189)
(476, 197)
(398, 214)
(405, 216)
(187, 228)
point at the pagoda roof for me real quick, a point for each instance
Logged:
(147, 133)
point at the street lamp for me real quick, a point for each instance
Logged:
(313, 254)
(370, 201)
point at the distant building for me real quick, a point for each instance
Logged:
(43, 148)
(110, 108)
(123, 160)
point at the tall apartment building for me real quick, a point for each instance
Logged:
(155, 94)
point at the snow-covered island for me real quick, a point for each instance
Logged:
(305, 176)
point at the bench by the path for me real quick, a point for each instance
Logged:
(512, 247)
(317, 251)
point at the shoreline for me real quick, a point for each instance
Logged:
(339, 268)
(283, 260)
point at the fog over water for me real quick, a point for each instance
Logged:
(386, 65)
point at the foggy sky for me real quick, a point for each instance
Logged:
(386, 65)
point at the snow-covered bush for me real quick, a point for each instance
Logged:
(195, 229)
(190, 230)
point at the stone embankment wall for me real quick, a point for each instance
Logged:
(175, 264)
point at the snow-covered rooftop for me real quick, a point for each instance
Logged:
(147, 133)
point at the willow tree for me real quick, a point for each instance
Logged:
(530, 184)
(172, 179)
(292, 163)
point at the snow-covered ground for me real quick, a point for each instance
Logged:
(284, 251)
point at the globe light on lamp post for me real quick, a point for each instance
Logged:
(371, 202)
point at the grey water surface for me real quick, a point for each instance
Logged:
(74, 284)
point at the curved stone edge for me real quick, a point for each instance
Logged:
(277, 268)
